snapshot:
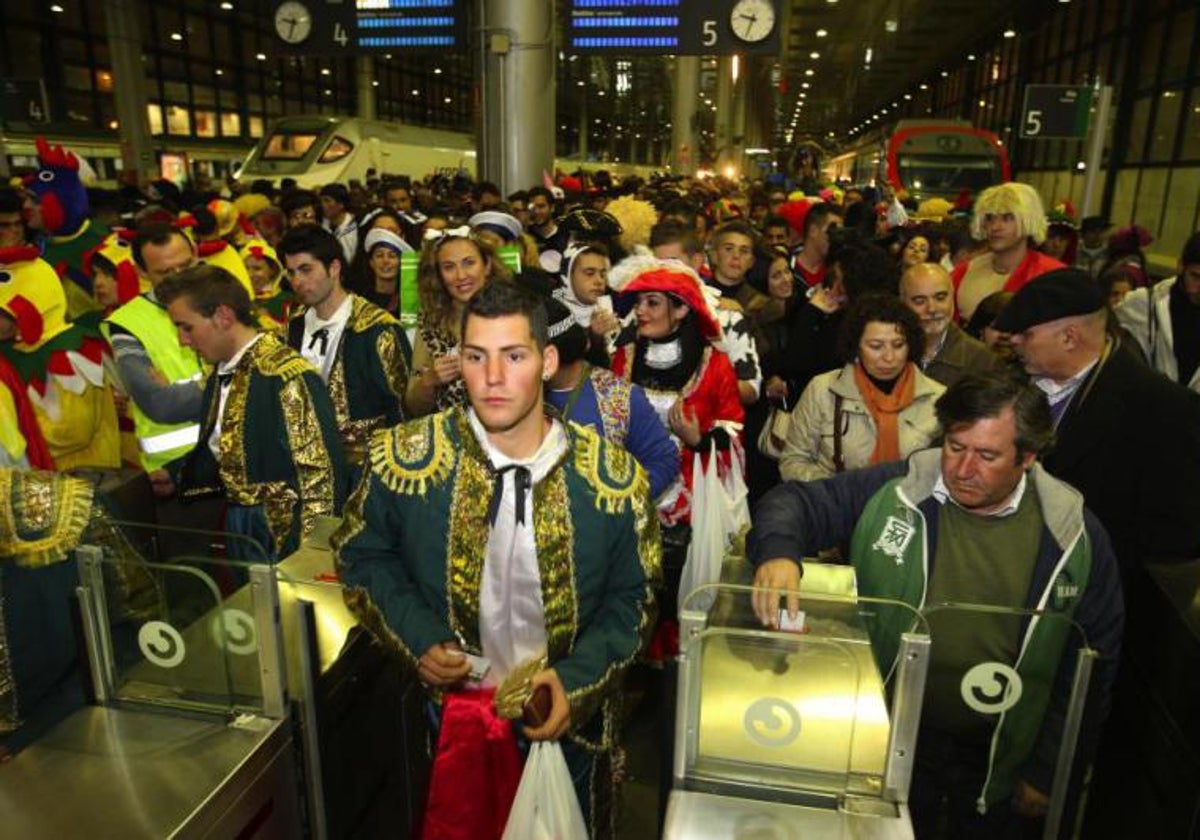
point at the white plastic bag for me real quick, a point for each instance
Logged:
(714, 519)
(546, 807)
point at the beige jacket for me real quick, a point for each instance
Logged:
(808, 454)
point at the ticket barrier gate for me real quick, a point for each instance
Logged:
(792, 731)
(798, 734)
(229, 699)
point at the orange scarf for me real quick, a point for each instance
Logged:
(885, 410)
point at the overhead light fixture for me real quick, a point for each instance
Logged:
(809, 72)
(821, 33)
(227, 6)
(945, 74)
(261, 56)
(57, 9)
(970, 56)
(1010, 33)
(923, 86)
(891, 25)
(814, 55)
(175, 36)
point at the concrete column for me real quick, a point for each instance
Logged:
(737, 116)
(129, 87)
(364, 69)
(517, 141)
(683, 156)
(723, 119)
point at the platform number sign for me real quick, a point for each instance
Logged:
(1059, 112)
(673, 27)
(330, 27)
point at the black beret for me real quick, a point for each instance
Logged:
(1056, 294)
(1090, 223)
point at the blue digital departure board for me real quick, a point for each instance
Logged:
(321, 27)
(681, 27)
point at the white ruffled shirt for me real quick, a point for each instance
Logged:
(512, 622)
(311, 350)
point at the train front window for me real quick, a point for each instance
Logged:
(947, 175)
(338, 148)
(286, 145)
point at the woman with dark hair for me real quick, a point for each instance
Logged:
(693, 388)
(877, 408)
(917, 248)
(454, 266)
(690, 383)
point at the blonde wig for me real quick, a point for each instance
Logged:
(1019, 199)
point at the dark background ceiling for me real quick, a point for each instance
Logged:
(909, 40)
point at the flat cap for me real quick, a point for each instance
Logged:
(1056, 294)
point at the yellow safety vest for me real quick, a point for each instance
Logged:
(159, 443)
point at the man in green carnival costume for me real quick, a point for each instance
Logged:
(358, 348)
(268, 438)
(497, 551)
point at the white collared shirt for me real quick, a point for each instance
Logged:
(1056, 392)
(512, 622)
(311, 350)
(942, 493)
(229, 366)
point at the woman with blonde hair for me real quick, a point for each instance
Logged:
(1011, 221)
(454, 267)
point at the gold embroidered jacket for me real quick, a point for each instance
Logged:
(412, 545)
(368, 376)
(279, 444)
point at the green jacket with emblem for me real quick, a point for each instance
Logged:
(889, 514)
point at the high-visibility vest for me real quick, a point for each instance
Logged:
(158, 443)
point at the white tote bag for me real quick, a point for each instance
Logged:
(546, 807)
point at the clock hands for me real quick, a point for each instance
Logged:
(753, 19)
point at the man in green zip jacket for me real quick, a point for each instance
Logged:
(977, 523)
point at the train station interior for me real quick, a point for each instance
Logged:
(167, 670)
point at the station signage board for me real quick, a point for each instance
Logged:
(352, 27)
(673, 27)
(1059, 112)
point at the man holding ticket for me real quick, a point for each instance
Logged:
(508, 559)
(977, 522)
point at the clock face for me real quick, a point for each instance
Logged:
(752, 20)
(293, 22)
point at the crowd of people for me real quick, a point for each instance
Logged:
(924, 391)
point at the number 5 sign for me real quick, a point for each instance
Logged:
(1056, 112)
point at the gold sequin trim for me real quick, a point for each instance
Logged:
(554, 536)
(42, 516)
(466, 542)
(622, 478)
(409, 458)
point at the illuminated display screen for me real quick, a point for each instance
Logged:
(323, 27)
(413, 24)
(683, 27)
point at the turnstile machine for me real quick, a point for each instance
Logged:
(790, 733)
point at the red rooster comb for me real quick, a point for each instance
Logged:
(55, 156)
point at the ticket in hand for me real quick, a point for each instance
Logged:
(790, 625)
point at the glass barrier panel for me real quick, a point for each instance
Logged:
(987, 662)
(788, 712)
(179, 630)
